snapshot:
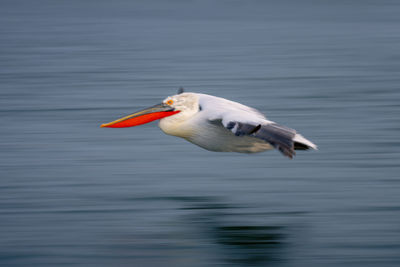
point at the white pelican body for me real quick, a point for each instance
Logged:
(218, 124)
(204, 127)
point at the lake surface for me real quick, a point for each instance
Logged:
(73, 194)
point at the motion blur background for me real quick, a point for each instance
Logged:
(74, 194)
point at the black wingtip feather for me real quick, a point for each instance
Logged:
(300, 146)
(288, 152)
(255, 129)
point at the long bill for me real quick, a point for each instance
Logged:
(141, 117)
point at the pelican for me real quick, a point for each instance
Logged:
(217, 124)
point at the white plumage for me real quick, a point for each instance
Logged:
(213, 123)
(218, 124)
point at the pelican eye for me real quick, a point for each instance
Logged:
(169, 102)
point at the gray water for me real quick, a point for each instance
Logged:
(73, 194)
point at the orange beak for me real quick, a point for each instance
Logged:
(144, 116)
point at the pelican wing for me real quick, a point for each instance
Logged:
(242, 120)
(277, 135)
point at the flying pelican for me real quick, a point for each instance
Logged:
(217, 124)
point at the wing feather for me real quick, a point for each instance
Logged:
(280, 137)
(242, 120)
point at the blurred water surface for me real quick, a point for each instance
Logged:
(74, 194)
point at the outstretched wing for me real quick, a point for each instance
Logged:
(280, 137)
(243, 120)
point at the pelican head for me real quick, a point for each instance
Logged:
(173, 110)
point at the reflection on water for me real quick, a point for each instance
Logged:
(74, 194)
(239, 244)
(198, 230)
(251, 244)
